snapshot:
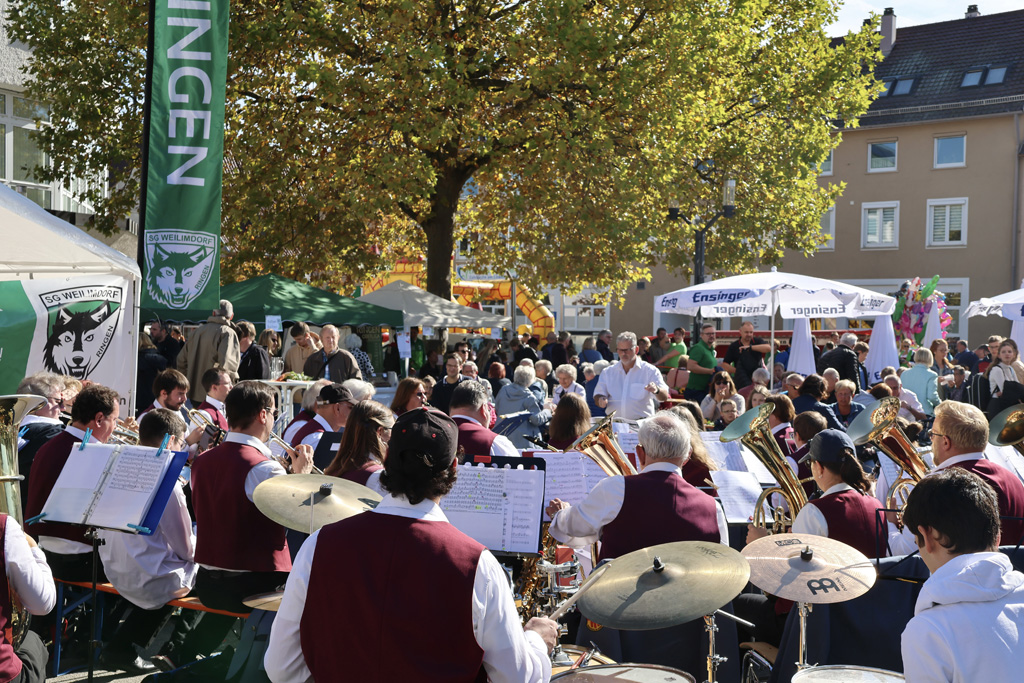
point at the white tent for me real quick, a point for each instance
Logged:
(55, 278)
(882, 351)
(420, 308)
(801, 351)
(1009, 305)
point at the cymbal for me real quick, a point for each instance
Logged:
(286, 500)
(831, 571)
(268, 602)
(665, 585)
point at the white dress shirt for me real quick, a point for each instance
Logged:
(27, 571)
(574, 388)
(312, 440)
(219, 405)
(810, 520)
(501, 446)
(911, 398)
(580, 525)
(62, 545)
(626, 392)
(150, 571)
(510, 654)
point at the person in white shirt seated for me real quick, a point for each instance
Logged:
(968, 622)
(28, 576)
(910, 406)
(632, 388)
(565, 374)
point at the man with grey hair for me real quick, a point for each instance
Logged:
(470, 370)
(654, 507)
(518, 402)
(332, 362)
(843, 359)
(603, 346)
(42, 424)
(469, 408)
(215, 345)
(831, 377)
(632, 387)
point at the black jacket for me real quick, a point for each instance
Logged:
(255, 363)
(844, 360)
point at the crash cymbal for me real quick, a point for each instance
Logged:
(665, 585)
(286, 500)
(808, 568)
(268, 602)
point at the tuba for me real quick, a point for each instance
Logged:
(751, 428)
(600, 445)
(1007, 428)
(12, 410)
(878, 425)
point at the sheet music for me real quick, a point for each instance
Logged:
(77, 483)
(628, 441)
(738, 492)
(890, 470)
(498, 507)
(570, 477)
(725, 454)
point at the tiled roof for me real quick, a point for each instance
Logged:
(938, 55)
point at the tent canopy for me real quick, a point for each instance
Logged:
(1010, 305)
(258, 297)
(421, 308)
(38, 244)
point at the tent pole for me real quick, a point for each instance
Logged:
(771, 357)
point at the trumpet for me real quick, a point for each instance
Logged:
(201, 419)
(285, 460)
(125, 434)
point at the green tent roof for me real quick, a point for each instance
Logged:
(255, 299)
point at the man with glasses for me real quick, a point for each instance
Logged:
(42, 424)
(331, 362)
(240, 551)
(632, 387)
(333, 406)
(701, 364)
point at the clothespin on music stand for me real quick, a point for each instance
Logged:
(140, 529)
(85, 440)
(33, 520)
(163, 445)
(22, 432)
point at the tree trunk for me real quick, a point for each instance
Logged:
(439, 228)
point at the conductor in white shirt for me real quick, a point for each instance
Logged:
(632, 388)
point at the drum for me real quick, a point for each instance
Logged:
(840, 673)
(625, 673)
(574, 652)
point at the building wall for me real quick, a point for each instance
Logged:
(13, 57)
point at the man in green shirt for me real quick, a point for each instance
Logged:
(701, 364)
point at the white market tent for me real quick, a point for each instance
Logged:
(1009, 305)
(420, 308)
(39, 246)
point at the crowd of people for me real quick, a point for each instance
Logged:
(497, 399)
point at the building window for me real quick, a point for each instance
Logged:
(947, 222)
(902, 86)
(972, 78)
(880, 225)
(987, 75)
(951, 151)
(825, 167)
(881, 157)
(828, 230)
(995, 75)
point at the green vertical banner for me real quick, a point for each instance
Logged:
(181, 237)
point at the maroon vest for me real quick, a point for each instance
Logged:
(10, 664)
(217, 416)
(803, 469)
(474, 439)
(311, 427)
(851, 519)
(46, 467)
(1008, 489)
(387, 611)
(302, 416)
(231, 533)
(659, 507)
(698, 475)
(362, 474)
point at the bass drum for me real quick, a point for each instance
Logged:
(846, 674)
(574, 652)
(625, 673)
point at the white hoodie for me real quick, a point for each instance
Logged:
(968, 624)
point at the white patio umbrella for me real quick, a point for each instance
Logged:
(882, 351)
(801, 350)
(792, 296)
(1009, 305)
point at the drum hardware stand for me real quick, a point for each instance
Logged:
(715, 660)
(93, 534)
(804, 608)
(325, 490)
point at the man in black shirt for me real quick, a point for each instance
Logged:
(167, 345)
(255, 361)
(745, 355)
(604, 338)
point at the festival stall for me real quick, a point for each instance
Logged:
(423, 309)
(1009, 305)
(68, 302)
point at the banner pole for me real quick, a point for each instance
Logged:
(140, 254)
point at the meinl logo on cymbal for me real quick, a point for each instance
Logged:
(788, 541)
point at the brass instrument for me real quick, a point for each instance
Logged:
(600, 445)
(1007, 428)
(751, 428)
(284, 460)
(12, 410)
(878, 425)
(125, 434)
(201, 418)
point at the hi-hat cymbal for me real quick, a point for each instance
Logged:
(287, 500)
(268, 602)
(809, 568)
(665, 585)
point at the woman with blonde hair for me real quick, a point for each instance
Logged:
(696, 470)
(363, 448)
(1006, 367)
(570, 421)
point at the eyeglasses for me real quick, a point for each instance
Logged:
(421, 393)
(721, 381)
(58, 401)
(935, 433)
(626, 350)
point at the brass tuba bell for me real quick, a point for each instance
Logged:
(1007, 428)
(878, 425)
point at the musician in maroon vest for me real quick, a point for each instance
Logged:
(429, 604)
(171, 390)
(333, 406)
(363, 448)
(67, 550)
(468, 408)
(240, 552)
(217, 384)
(781, 422)
(959, 438)
(24, 566)
(629, 513)
(805, 426)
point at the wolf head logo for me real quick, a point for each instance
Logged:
(175, 278)
(77, 341)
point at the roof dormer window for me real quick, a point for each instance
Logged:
(972, 78)
(902, 86)
(995, 75)
(984, 75)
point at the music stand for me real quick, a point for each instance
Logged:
(326, 449)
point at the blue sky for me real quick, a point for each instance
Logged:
(914, 12)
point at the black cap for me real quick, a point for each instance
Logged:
(422, 439)
(829, 445)
(334, 393)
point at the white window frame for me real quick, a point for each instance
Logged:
(897, 160)
(949, 201)
(935, 151)
(830, 231)
(830, 161)
(864, 207)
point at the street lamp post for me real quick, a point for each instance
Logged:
(728, 210)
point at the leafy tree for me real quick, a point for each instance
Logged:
(550, 133)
